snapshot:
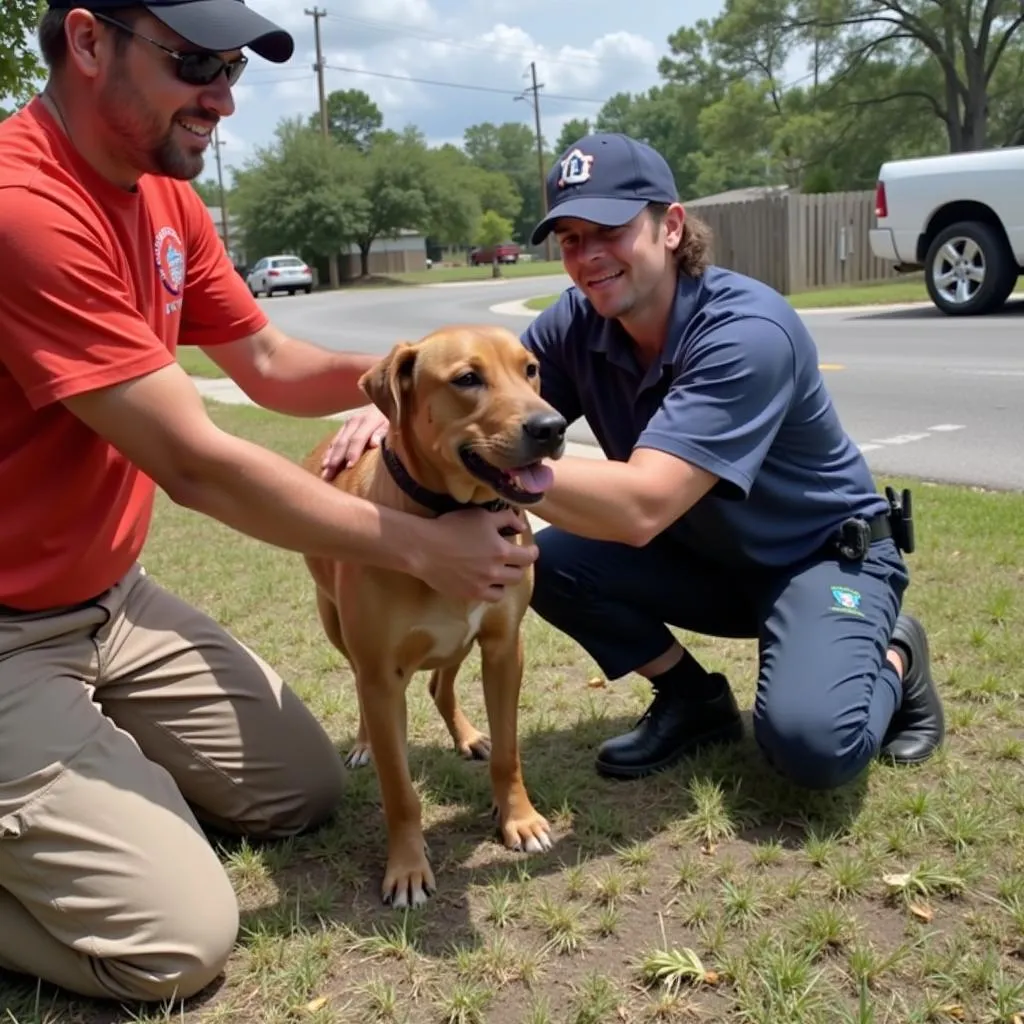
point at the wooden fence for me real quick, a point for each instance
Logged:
(796, 242)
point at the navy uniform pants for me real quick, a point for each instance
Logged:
(825, 691)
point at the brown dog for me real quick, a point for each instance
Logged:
(467, 427)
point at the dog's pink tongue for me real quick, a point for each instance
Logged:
(536, 479)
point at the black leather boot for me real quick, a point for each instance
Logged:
(673, 727)
(918, 727)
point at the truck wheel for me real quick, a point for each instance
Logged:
(969, 269)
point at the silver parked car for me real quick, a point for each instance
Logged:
(280, 274)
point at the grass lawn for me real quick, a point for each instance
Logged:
(197, 363)
(438, 275)
(910, 290)
(711, 892)
(447, 275)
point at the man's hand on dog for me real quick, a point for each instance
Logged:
(365, 428)
(469, 559)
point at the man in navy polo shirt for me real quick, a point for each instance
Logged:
(732, 503)
(729, 483)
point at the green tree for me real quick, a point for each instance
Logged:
(572, 130)
(511, 149)
(297, 195)
(958, 44)
(20, 69)
(459, 192)
(394, 178)
(209, 191)
(352, 118)
(492, 230)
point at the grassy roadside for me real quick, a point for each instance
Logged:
(452, 275)
(447, 275)
(712, 892)
(197, 363)
(881, 293)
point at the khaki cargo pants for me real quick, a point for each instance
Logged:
(121, 723)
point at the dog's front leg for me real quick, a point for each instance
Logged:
(501, 662)
(408, 878)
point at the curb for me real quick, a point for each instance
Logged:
(517, 307)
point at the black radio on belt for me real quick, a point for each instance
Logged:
(853, 539)
(901, 519)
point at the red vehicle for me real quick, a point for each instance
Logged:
(504, 252)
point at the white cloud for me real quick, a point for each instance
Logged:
(399, 51)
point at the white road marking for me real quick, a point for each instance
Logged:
(901, 439)
(877, 443)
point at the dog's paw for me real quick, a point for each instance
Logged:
(475, 747)
(358, 756)
(530, 831)
(407, 885)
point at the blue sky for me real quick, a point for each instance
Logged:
(584, 51)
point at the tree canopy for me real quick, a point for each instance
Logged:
(876, 79)
(20, 70)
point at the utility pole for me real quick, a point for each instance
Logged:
(535, 89)
(223, 202)
(316, 14)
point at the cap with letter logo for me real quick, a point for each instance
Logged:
(606, 178)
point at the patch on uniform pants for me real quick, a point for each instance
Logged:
(846, 600)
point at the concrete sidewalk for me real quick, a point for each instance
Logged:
(228, 392)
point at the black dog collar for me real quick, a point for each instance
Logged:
(436, 501)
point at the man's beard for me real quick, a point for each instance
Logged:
(149, 151)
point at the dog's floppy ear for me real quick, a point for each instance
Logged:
(389, 382)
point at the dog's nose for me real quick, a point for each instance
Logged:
(547, 429)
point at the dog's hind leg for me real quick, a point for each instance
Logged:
(522, 826)
(470, 742)
(359, 755)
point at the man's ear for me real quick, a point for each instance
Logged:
(388, 383)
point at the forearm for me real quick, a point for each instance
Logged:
(271, 499)
(595, 498)
(298, 378)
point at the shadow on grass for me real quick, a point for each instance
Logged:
(724, 795)
(329, 880)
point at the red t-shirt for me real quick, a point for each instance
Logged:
(98, 285)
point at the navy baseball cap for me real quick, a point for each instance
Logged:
(606, 178)
(216, 25)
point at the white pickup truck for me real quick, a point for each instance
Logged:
(960, 218)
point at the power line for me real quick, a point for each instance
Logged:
(459, 85)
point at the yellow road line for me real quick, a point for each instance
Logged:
(831, 366)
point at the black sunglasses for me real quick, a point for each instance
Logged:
(200, 67)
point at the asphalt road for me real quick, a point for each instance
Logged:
(921, 393)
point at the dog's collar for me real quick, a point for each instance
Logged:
(436, 501)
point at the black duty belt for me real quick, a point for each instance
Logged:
(856, 534)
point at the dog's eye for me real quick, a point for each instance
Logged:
(532, 370)
(470, 379)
